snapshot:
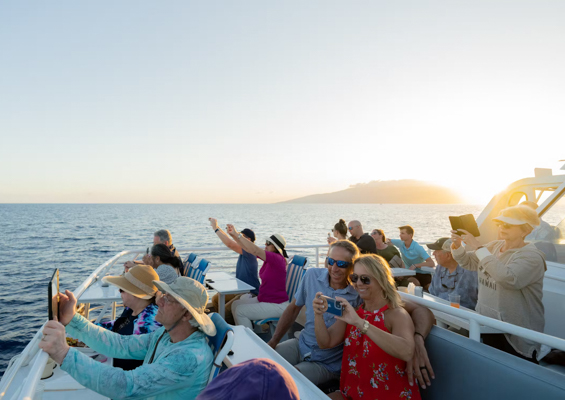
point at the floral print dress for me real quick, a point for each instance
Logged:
(367, 371)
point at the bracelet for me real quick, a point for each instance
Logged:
(217, 229)
(365, 327)
(422, 336)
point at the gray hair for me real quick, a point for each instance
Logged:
(164, 236)
(194, 323)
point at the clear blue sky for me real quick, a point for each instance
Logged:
(223, 101)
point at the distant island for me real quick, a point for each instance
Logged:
(405, 191)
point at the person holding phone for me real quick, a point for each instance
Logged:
(378, 337)
(510, 273)
(339, 232)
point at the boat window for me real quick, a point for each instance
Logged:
(549, 237)
(542, 195)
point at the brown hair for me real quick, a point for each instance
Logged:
(353, 251)
(381, 233)
(341, 227)
(378, 268)
(407, 228)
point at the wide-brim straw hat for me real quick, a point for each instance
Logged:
(519, 215)
(192, 296)
(279, 242)
(138, 281)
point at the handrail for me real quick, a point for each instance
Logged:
(476, 319)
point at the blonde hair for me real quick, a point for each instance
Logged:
(523, 213)
(378, 268)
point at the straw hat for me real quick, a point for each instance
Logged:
(519, 215)
(279, 242)
(138, 281)
(192, 296)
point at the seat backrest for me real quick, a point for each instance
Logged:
(188, 262)
(198, 269)
(294, 274)
(220, 344)
(466, 369)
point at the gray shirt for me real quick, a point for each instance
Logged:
(317, 280)
(166, 273)
(462, 282)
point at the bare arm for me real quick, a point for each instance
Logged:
(246, 244)
(428, 263)
(231, 244)
(400, 342)
(419, 366)
(327, 338)
(285, 322)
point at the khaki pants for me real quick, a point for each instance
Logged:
(229, 300)
(316, 372)
(248, 309)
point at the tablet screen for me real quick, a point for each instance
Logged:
(53, 296)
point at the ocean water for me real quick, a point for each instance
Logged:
(77, 238)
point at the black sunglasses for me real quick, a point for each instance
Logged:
(340, 264)
(365, 280)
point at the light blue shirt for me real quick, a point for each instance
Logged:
(317, 280)
(178, 371)
(415, 254)
(462, 282)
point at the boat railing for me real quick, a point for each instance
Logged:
(476, 320)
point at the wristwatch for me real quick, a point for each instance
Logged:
(239, 236)
(365, 327)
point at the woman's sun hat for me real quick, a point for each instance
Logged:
(138, 281)
(519, 215)
(279, 242)
(192, 296)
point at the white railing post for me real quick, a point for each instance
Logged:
(317, 257)
(474, 330)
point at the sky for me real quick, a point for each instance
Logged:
(259, 102)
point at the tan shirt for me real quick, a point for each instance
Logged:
(510, 287)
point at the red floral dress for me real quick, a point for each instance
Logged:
(367, 371)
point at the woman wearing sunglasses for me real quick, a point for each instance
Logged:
(378, 337)
(138, 296)
(510, 275)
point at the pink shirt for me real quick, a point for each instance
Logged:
(273, 279)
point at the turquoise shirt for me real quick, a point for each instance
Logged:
(415, 254)
(178, 371)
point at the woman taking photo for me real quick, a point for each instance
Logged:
(378, 336)
(510, 273)
(138, 296)
(272, 299)
(339, 232)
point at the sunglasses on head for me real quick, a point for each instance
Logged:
(340, 264)
(365, 280)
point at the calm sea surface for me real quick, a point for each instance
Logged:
(76, 238)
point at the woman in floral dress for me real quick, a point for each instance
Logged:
(378, 336)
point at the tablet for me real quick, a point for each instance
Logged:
(466, 222)
(53, 296)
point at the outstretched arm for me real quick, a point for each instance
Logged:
(246, 245)
(231, 244)
(285, 322)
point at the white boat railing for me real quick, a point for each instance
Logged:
(476, 320)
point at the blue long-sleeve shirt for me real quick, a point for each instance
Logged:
(178, 371)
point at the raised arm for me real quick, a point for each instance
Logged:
(246, 245)
(466, 259)
(231, 244)
(285, 322)
(335, 334)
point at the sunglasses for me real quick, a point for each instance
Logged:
(121, 291)
(504, 225)
(340, 264)
(268, 244)
(365, 280)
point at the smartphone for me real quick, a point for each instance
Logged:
(53, 296)
(329, 235)
(147, 252)
(466, 222)
(334, 306)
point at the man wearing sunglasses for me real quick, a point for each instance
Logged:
(364, 241)
(323, 365)
(450, 278)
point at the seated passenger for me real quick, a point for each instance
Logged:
(138, 295)
(322, 365)
(255, 379)
(414, 256)
(162, 236)
(364, 242)
(378, 337)
(450, 278)
(177, 358)
(166, 265)
(510, 275)
(272, 298)
(246, 268)
(386, 251)
(339, 232)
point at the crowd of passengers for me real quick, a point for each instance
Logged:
(376, 349)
